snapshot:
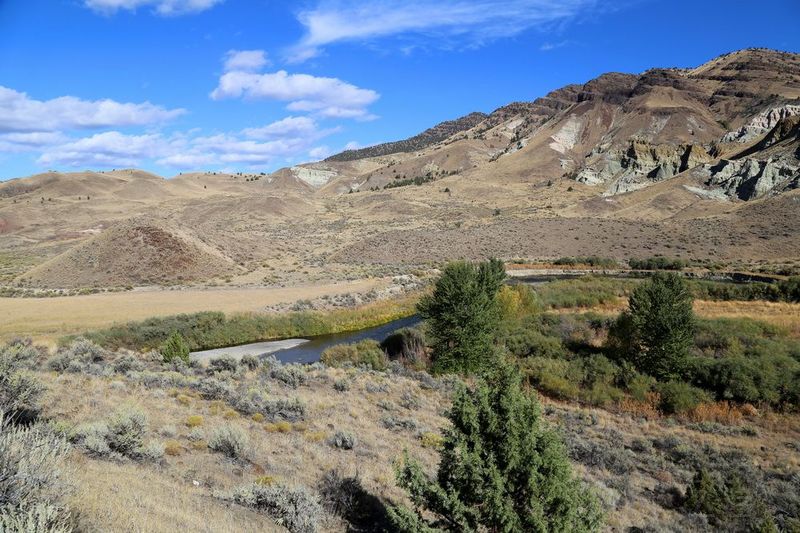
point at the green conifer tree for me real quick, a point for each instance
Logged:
(500, 470)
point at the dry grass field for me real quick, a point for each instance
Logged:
(46, 319)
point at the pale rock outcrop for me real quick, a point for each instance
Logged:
(313, 176)
(748, 179)
(761, 123)
(568, 136)
(641, 164)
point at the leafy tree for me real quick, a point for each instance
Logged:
(500, 470)
(657, 331)
(462, 315)
(175, 347)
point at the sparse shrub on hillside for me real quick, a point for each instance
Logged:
(127, 363)
(363, 353)
(122, 435)
(223, 363)
(291, 375)
(214, 389)
(397, 423)
(32, 479)
(231, 441)
(510, 474)
(175, 348)
(284, 409)
(126, 430)
(250, 362)
(343, 440)
(81, 356)
(19, 391)
(295, 508)
(462, 315)
(41, 518)
(341, 385)
(22, 353)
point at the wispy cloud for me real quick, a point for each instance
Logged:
(159, 7)
(325, 97)
(472, 22)
(21, 113)
(546, 47)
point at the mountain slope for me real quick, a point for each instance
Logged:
(428, 137)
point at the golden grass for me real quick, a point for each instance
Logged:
(148, 497)
(785, 315)
(47, 319)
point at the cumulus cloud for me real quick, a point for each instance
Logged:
(160, 7)
(21, 113)
(110, 148)
(288, 138)
(245, 60)
(287, 127)
(470, 21)
(26, 142)
(327, 97)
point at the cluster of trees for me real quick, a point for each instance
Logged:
(501, 469)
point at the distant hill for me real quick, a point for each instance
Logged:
(698, 163)
(428, 137)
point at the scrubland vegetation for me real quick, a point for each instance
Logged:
(209, 330)
(652, 419)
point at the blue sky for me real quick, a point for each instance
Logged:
(254, 85)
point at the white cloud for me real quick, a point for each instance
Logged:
(473, 22)
(245, 60)
(110, 148)
(26, 142)
(254, 147)
(289, 126)
(160, 7)
(327, 97)
(352, 145)
(20, 113)
(320, 152)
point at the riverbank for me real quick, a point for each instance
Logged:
(209, 330)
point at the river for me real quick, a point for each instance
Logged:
(307, 350)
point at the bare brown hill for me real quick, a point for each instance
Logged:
(132, 253)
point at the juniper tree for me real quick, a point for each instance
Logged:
(462, 315)
(175, 347)
(656, 333)
(500, 470)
